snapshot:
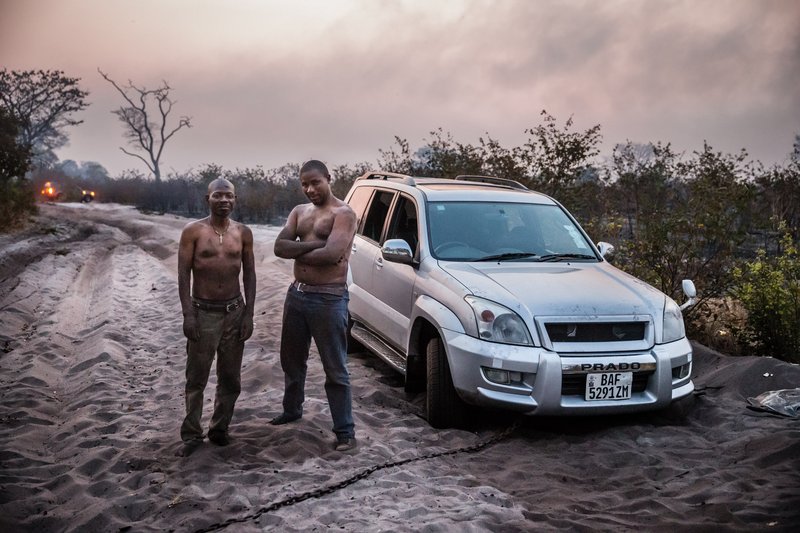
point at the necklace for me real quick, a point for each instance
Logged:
(223, 231)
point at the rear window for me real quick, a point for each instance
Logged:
(358, 202)
(376, 215)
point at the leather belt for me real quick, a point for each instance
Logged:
(218, 307)
(338, 289)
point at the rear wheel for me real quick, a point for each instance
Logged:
(443, 407)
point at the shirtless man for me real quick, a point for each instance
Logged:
(318, 236)
(216, 319)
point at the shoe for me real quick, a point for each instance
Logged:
(345, 444)
(219, 438)
(284, 418)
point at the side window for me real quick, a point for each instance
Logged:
(358, 202)
(404, 222)
(376, 215)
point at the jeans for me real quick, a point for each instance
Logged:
(322, 317)
(219, 335)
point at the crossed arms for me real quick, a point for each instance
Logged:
(318, 252)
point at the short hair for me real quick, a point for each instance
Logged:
(220, 182)
(315, 164)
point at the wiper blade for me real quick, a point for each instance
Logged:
(507, 256)
(559, 257)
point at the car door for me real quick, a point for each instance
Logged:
(393, 283)
(366, 247)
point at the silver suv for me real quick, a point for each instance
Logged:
(483, 292)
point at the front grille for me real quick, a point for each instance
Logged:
(596, 331)
(575, 384)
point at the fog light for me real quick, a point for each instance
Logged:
(496, 376)
(503, 377)
(680, 372)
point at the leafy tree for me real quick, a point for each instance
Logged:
(16, 194)
(558, 158)
(641, 176)
(398, 159)
(42, 103)
(693, 226)
(778, 196)
(146, 127)
(502, 162)
(769, 288)
(345, 175)
(14, 156)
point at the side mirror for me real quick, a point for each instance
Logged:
(397, 251)
(605, 248)
(691, 293)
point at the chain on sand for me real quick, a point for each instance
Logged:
(330, 489)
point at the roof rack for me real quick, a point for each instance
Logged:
(380, 175)
(494, 181)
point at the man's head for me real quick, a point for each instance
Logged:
(221, 197)
(315, 181)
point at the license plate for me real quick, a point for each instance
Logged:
(609, 386)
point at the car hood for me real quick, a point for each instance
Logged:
(567, 289)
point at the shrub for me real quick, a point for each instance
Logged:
(769, 288)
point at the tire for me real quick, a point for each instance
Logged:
(443, 407)
(415, 374)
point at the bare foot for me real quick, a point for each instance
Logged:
(187, 449)
(284, 418)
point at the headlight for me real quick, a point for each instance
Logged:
(497, 323)
(673, 323)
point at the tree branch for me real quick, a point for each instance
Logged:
(143, 133)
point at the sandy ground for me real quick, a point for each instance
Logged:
(91, 399)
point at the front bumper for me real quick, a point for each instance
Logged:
(549, 379)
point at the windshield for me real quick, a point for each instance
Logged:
(488, 231)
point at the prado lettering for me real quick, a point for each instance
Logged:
(610, 367)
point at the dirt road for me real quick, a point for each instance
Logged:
(91, 399)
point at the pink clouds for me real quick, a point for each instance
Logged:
(268, 82)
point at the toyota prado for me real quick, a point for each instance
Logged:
(482, 292)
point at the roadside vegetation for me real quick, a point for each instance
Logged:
(723, 220)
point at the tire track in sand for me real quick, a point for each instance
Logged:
(100, 326)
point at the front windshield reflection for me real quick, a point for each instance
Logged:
(482, 231)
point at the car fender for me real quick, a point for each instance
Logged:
(437, 314)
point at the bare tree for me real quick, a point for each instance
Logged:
(41, 102)
(146, 128)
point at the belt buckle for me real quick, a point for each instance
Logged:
(232, 307)
(299, 286)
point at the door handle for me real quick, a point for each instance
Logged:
(353, 249)
(379, 262)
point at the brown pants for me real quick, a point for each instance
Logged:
(219, 335)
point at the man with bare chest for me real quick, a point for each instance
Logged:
(318, 236)
(216, 318)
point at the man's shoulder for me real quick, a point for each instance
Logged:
(242, 227)
(342, 207)
(302, 210)
(195, 225)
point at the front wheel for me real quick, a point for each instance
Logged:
(443, 407)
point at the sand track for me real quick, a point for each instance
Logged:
(91, 381)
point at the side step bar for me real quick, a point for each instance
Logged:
(376, 345)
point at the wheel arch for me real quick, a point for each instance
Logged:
(430, 317)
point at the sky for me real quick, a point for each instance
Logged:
(268, 82)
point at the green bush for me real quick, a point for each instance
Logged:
(17, 201)
(769, 288)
